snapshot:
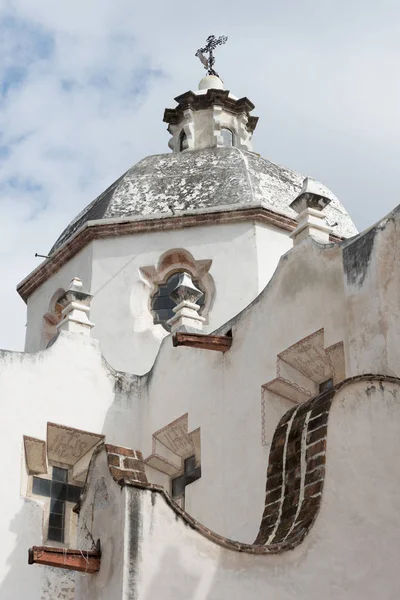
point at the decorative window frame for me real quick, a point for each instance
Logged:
(51, 318)
(71, 518)
(300, 370)
(174, 261)
(171, 446)
(67, 448)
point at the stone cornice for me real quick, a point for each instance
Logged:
(193, 101)
(105, 228)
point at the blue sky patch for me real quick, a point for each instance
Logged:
(22, 44)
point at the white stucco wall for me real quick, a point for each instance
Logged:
(120, 308)
(270, 242)
(351, 551)
(243, 256)
(80, 266)
(103, 514)
(371, 264)
(222, 392)
(69, 384)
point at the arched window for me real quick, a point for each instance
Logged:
(183, 142)
(162, 304)
(227, 137)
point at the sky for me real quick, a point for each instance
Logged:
(84, 84)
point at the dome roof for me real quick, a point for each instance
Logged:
(213, 178)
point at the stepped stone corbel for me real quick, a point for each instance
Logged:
(75, 314)
(186, 311)
(309, 205)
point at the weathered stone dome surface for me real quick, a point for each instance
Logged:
(214, 178)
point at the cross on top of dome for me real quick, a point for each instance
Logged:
(211, 43)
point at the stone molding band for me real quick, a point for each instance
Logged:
(95, 230)
(213, 97)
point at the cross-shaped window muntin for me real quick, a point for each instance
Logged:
(190, 474)
(61, 497)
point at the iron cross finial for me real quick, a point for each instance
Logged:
(211, 43)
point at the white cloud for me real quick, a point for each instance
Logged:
(85, 85)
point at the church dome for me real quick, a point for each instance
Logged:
(214, 179)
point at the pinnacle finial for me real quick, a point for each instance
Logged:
(186, 317)
(211, 43)
(311, 196)
(76, 302)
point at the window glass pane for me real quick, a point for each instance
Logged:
(56, 521)
(227, 137)
(60, 474)
(73, 493)
(58, 490)
(162, 304)
(178, 486)
(190, 464)
(56, 535)
(194, 475)
(57, 507)
(326, 385)
(41, 487)
(163, 315)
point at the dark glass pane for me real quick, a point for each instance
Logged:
(164, 315)
(56, 535)
(56, 521)
(57, 507)
(190, 464)
(178, 486)
(60, 474)
(162, 304)
(73, 493)
(193, 475)
(201, 300)
(326, 385)
(41, 487)
(59, 490)
(183, 143)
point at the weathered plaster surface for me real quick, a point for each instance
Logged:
(103, 505)
(371, 265)
(351, 550)
(243, 258)
(38, 305)
(212, 177)
(69, 383)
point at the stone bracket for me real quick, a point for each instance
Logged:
(220, 343)
(63, 558)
